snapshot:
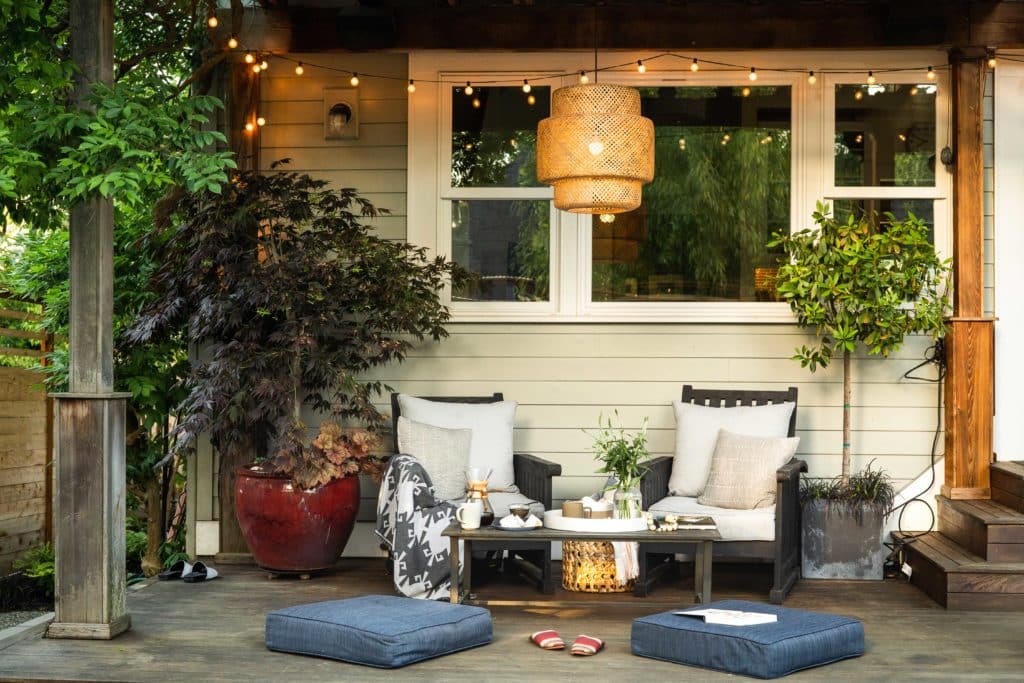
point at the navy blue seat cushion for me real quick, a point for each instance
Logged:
(378, 630)
(800, 639)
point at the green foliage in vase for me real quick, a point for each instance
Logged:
(292, 300)
(621, 455)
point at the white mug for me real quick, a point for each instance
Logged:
(469, 514)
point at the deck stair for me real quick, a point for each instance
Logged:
(976, 558)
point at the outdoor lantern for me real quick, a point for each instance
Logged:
(595, 149)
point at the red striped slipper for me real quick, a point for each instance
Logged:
(548, 640)
(587, 645)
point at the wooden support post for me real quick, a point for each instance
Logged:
(89, 506)
(969, 344)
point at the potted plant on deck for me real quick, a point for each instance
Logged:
(863, 282)
(289, 301)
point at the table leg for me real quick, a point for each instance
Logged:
(702, 572)
(453, 558)
(467, 569)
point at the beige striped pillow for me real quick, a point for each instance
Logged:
(743, 470)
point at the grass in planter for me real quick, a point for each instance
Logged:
(869, 488)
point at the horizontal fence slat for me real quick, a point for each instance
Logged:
(22, 334)
(19, 315)
(25, 353)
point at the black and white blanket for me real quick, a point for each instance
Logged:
(409, 522)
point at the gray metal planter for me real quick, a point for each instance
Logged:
(841, 542)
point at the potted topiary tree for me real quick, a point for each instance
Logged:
(866, 282)
(288, 300)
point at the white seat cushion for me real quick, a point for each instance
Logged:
(734, 525)
(697, 428)
(491, 423)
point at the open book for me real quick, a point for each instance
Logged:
(729, 617)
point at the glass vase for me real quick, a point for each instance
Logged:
(628, 503)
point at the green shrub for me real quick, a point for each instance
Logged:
(37, 565)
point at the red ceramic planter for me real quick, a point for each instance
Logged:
(291, 530)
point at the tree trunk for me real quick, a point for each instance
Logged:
(847, 391)
(151, 563)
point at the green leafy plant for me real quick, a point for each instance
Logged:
(622, 456)
(37, 564)
(292, 300)
(871, 487)
(863, 282)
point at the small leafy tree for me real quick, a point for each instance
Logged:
(864, 282)
(289, 299)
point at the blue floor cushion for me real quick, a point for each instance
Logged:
(800, 639)
(378, 630)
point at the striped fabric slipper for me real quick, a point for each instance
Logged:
(587, 645)
(548, 640)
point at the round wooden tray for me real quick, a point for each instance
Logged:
(553, 519)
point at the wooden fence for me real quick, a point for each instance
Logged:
(26, 437)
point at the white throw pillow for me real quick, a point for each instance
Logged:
(492, 425)
(697, 430)
(444, 454)
(743, 470)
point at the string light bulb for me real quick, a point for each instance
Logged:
(745, 92)
(299, 69)
(607, 217)
(753, 73)
(930, 74)
(640, 66)
(811, 78)
(249, 127)
(232, 42)
(256, 68)
(212, 21)
(695, 67)
(871, 78)
(476, 103)
(411, 87)
(354, 81)
(526, 86)
(260, 121)
(584, 79)
(858, 95)
(991, 60)
(264, 65)
(531, 100)
(469, 88)
(249, 59)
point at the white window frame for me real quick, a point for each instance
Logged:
(812, 166)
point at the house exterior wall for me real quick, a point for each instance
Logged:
(566, 374)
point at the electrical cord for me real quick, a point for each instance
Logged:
(935, 354)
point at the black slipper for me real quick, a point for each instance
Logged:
(200, 572)
(175, 571)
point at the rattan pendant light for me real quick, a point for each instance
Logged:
(595, 149)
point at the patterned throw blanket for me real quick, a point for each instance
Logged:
(409, 522)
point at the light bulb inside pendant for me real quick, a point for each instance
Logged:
(596, 147)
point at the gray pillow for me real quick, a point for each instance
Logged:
(743, 470)
(444, 454)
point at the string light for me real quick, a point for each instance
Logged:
(232, 42)
(299, 70)
(531, 100)
(354, 81)
(640, 66)
(607, 217)
(695, 67)
(858, 95)
(469, 88)
(264, 65)
(583, 77)
(260, 121)
(526, 86)
(249, 127)
(931, 74)
(256, 68)
(871, 78)
(753, 74)
(411, 87)
(991, 60)
(249, 59)
(745, 92)
(811, 78)
(476, 103)
(212, 21)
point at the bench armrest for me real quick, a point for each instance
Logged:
(654, 484)
(533, 476)
(791, 470)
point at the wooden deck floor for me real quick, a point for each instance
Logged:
(214, 632)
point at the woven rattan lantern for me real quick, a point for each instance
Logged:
(596, 149)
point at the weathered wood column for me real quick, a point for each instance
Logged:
(970, 395)
(89, 506)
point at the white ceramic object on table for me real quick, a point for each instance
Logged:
(553, 519)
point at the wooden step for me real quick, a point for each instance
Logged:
(1008, 484)
(958, 579)
(986, 528)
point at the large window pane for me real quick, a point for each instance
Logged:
(721, 187)
(924, 209)
(505, 246)
(885, 135)
(494, 135)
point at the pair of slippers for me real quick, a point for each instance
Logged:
(188, 572)
(583, 645)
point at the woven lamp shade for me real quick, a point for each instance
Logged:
(596, 149)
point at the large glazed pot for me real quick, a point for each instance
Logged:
(291, 530)
(841, 542)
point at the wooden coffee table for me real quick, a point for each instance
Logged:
(701, 538)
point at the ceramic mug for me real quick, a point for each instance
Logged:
(469, 514)
(574, 508)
